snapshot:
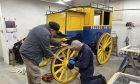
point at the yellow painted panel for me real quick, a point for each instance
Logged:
(110, 21)
(60, 18)
(89, 17)
(75, 21)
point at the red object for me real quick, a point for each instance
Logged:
(48, 77)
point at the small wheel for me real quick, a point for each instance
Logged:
(104, 48)
(59, 67)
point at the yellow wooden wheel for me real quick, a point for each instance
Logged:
(104, 48)
(59, 67)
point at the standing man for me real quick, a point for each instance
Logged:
(36, 45)
(84, 61)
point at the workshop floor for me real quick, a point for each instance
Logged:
(8, 75)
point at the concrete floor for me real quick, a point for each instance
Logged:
(8, 77)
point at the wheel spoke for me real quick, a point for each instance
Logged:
(63, 53)
(76, 68)
(68, 53)
(108, 39)
(60, 69)
(100, 52)
(100, 57)
(66, 74)
(59, 59)
(62, 73)
(101, 47)
(58, 65)
(103, 41)
(72, 54)
(104, 56)
(71, 72)
(108, 43)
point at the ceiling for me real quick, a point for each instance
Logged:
(68, 3)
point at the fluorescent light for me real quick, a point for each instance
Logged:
(67, 0)
(60, 2)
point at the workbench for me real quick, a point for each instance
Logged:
(130, 52)
(123, 78)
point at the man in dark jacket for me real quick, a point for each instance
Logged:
(36, 45)
(84, 61)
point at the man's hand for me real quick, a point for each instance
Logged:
(71, 63)
(52, 57)
(64, 45)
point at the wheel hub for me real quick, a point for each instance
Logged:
(107, 49)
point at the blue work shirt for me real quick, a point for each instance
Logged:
(84, 61)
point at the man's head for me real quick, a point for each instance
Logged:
(76, 45)
(54, 27)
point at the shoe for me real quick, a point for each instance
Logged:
(103, 80)
(96, 77)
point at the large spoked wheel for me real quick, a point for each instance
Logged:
(104, 48)
(59, 67)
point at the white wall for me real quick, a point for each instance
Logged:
(2, 38)
(128, 16)
(28, 14)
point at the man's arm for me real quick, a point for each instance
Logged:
(54, 42)
(83, 62)
(44, 43)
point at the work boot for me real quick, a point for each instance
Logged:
(101, 77)
(103, 80)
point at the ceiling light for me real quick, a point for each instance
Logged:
(60, 2)
(67, 0)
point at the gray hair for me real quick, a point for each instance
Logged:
(76, 44)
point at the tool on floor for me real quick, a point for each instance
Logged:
(48, 77)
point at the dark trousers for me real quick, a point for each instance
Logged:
(91, 81)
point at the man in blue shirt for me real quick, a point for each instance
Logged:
(84, 61)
